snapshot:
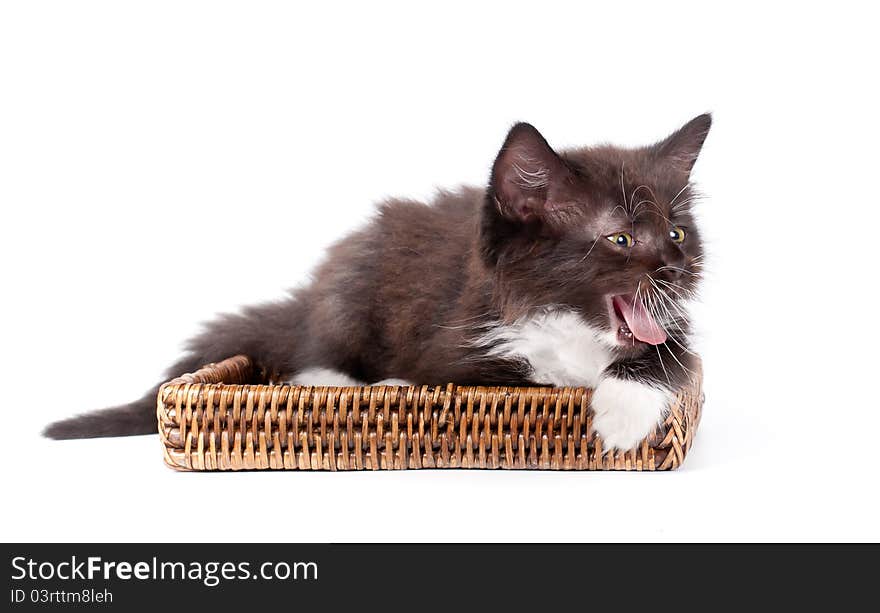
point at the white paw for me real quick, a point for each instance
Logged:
(625, 412)
(400, 382)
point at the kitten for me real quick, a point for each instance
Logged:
(570, 268)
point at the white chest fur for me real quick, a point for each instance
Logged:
(560, 348)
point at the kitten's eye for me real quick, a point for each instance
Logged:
(624, 239)
(677, 235)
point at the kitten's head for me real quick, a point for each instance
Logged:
(607, 231)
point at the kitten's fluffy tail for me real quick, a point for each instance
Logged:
(263, 332)
(138, 417)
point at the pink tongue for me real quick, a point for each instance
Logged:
(641, 324)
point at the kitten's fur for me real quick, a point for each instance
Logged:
(510, 284)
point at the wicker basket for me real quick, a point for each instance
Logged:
(228, 416)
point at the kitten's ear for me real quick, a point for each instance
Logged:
(680, 149)
(524, 175)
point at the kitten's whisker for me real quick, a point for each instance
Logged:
(682, 312)
(635, 191)
(672, 284)
(682, 294)
(692, 198)
(680, 192)
(678, 269)
(593, 246)
(673, 319)
(659, 214)
(682, 204)
(674, 357)
(662, 365)
(670, 320)
(664, 297)
(640, 203)
(602, 233)
(682, 347)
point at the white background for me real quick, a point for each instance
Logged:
(165, 161)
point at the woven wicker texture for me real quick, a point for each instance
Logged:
(228, 416)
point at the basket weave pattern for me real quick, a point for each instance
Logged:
(228, 416)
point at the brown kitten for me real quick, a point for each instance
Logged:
(570, 268)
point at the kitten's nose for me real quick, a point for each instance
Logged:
(671, 269)
(668, 273)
